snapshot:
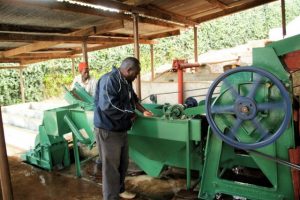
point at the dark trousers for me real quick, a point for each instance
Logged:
(114, 154)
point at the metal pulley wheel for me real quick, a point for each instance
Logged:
(253, 109)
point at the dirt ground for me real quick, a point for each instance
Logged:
(32, 183)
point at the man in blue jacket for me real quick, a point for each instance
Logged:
(115, 103)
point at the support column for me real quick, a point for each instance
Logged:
(85, 53)
(73, 67)
(22, 85)
(6, 187)
(137, 50)
(152, 62)
(195, 44)
(283, 17)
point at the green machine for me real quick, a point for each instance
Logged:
(238, 139)
(244, 153)
(51, 149)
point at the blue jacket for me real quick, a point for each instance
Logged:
(114, 102)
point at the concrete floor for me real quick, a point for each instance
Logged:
(30, 182)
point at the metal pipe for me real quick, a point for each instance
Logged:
(180, 85)
(7, 193)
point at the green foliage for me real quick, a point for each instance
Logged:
(54, 84)
(45, 79)
(9, 87)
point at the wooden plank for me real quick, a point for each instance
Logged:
(162, 35)
(100, 47)
(41, 45)
(18, 37)
(28, 48)
(13, 67)
(233, 8)
(218, 4)
(33, 29)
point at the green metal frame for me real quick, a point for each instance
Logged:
(165, 142)
(219, 156)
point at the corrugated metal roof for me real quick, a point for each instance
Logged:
(32, 26)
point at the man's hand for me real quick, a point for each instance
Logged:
(147, 113)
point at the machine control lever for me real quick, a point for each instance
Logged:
(277, 160)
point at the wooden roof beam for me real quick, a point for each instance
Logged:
(33, 29)
(13, 67)
(75, 53)
(149, 11)
(230, 10)
(17, 37)
(218, 3)
(162, 35)
(84, 32)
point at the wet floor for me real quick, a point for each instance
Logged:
(30, 183)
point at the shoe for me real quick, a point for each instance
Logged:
(127, 195)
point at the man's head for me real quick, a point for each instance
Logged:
(130, 68)
(84, 71)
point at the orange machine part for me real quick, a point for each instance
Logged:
(292, 60)
(295, 158)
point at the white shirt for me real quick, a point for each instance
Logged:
(89, 85)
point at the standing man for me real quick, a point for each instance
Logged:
(115, 103)
(84, 79)
(89, 84)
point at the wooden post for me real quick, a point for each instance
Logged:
(137, 50)
(85, 53)
(73, 67)
(152, 62)
(283, 17)
(22, 85)
(195, 44)
(6, 187)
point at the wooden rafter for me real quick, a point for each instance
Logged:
(17, 37)
(218, 4)
(149, 11)
(33, 29)
(75, 53)
(162, 35)
(13, 67)
(232, 8)
(84, 32)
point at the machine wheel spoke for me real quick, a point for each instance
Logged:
(233, 130)
(232, 90)
(270, 106)
(261, 130)
(222, 109)
(254, 88)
